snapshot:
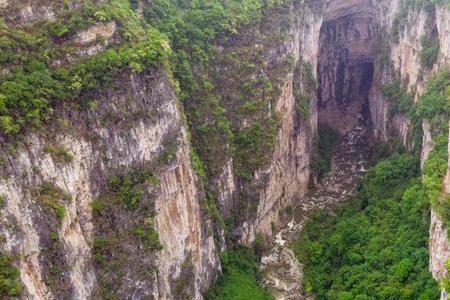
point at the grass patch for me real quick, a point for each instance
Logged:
(240, 277)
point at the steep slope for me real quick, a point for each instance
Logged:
(346, 59)
(51, 181)
(102, 194)
(131, 157)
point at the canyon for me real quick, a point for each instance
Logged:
(326, 63)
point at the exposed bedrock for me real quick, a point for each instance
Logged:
(345, 63)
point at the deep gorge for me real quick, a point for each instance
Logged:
(177, 149)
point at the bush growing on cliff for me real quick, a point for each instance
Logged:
(434, 104)
(53, 197)
(399, 101)
(126, 239)
(434, 170)
(429, 52)
(375, 247)
(10, 285)
(58, 153)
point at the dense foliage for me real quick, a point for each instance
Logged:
(327, 140)
(434, 170)
(430, 50)
(375, 247)
(216, 98)
(229, 84)
(39, 75)
(10, 285)
(240, 277)
(434, 104)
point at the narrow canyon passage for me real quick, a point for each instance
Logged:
(345, 75)
(283, 275)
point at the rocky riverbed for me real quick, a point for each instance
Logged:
(282, 272)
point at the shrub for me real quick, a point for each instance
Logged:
(59, 153)
(399, 101)
(302, 105)
(52, 196)
(148, 235)
(35, 86)
(434, 104)
(429, 51)
(10, 285)
(128, 189)
(60, 212)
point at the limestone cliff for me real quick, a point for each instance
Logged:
(123, 144)
(288, 174)
(62, 188)
(346, 63)
(107, 198)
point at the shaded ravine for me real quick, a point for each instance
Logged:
(282, 271)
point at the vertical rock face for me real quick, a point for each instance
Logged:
(404, 56)
(345, 64)
(138, 124)
(124, 143)
(288, 173)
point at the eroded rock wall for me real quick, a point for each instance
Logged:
(288, 174)
(138, 124)
(345, 65)
(133, 139)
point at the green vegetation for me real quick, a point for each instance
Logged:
(375, 247)
(327, 141)
(59, 153)
(34, 86)
(220, 89)
(250, 145)
(53, 263)
(10, 285)
(125, 239)
(303, 71)
(126, 188)
(434, 104)
(401, 102)
(434, 170)
(240, 277)
(52, 196)
(429, 51)
(402, 13)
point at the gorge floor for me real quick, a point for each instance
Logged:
(282, 271)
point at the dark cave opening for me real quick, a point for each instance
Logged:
(345, 67)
